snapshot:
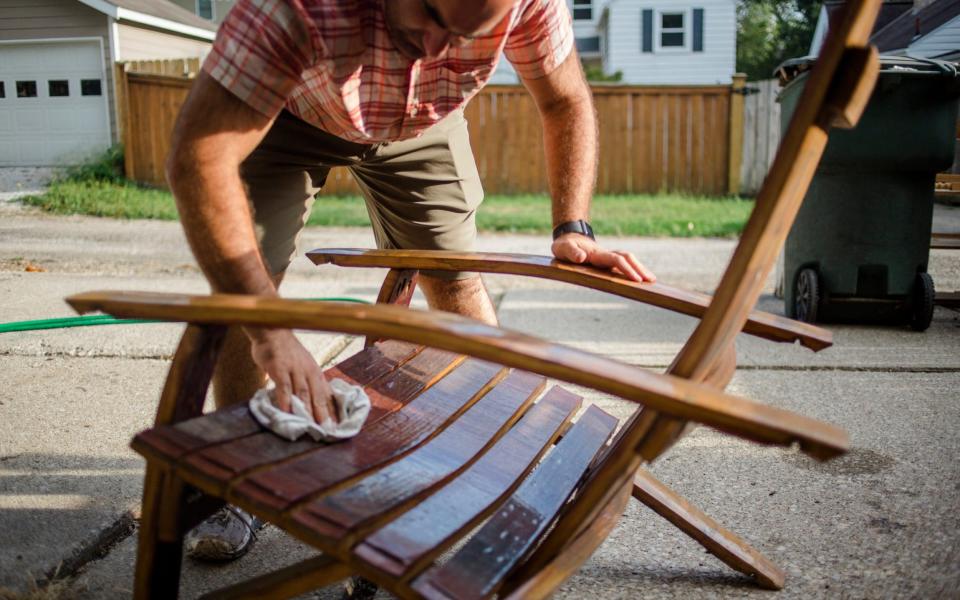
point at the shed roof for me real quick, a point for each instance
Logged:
(161, 14)
(910, 25)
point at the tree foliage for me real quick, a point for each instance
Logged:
(771, 31)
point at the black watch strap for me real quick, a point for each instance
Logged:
(581, 227)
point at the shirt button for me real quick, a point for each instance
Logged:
(413, 111)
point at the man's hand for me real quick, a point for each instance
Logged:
(579, 249)
(294, 371)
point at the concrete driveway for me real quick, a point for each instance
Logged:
(880, 522)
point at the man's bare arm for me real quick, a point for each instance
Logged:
(214, 133)
(570, 143)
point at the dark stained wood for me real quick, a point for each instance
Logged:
(944, 241)
(550, 575)
(762, 324)
(167, 444)
(408, 543)
(214, 467)
(287, 582)
(478, 568)
(276, 489)
(674, 396)
(947, 299)
(338, 519)
(157, 573)
(189, 377)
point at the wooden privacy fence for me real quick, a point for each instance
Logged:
(761, 133)
(652, 139)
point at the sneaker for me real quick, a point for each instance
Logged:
(358, 588)
(226, 535)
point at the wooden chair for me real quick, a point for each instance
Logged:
(461, 432)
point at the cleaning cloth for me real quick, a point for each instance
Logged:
(352, 402)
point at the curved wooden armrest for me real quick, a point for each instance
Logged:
(670, 395)
(760, 324)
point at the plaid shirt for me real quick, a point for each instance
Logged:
(331, 63)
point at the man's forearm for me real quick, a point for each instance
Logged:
(570, 145)
(216, 218)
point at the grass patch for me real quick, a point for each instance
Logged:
(659, 215)
(97, 189)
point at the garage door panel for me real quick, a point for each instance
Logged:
(64, 120)
(29, 121)
(46, 130)
(32, 152)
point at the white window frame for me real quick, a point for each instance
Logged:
(687, 30)
(213, 10)
(590, 4)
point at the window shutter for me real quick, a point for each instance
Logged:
(698, 30)
(647, 37)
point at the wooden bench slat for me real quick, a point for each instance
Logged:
(215, 466)
(170, 443)
(335, 521)
(478, 568)
(271, 491)
(416, 537)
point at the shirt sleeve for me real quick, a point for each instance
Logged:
(542, 38)
(261, 50)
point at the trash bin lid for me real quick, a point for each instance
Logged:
(889, 64)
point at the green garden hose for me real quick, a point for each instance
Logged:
(90, 320)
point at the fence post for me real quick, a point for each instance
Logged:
(736, 133)
(122, 102)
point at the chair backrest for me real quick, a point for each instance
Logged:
(836, 93)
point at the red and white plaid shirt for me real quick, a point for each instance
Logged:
(331, 63)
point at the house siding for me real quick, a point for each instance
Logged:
(53, 19)
(220, 7)
(943, 40)
(139, 43)
(715, 65)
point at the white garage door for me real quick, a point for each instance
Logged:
(53, 103)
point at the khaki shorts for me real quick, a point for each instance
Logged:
(421, 193)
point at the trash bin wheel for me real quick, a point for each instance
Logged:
(921, 313)
(807, 299)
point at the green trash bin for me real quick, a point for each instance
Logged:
(859, 247)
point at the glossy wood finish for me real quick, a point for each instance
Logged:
(408, 543)
(164, 444)
(478, 569)
(761, 324)
(549, 576)
(226, 462)
(335, 521)
(328, 467)
(673, 396)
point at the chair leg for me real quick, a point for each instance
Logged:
(720, 542)
(159, 548)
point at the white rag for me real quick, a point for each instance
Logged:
(352, 402)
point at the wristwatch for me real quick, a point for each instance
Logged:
(581, 227)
